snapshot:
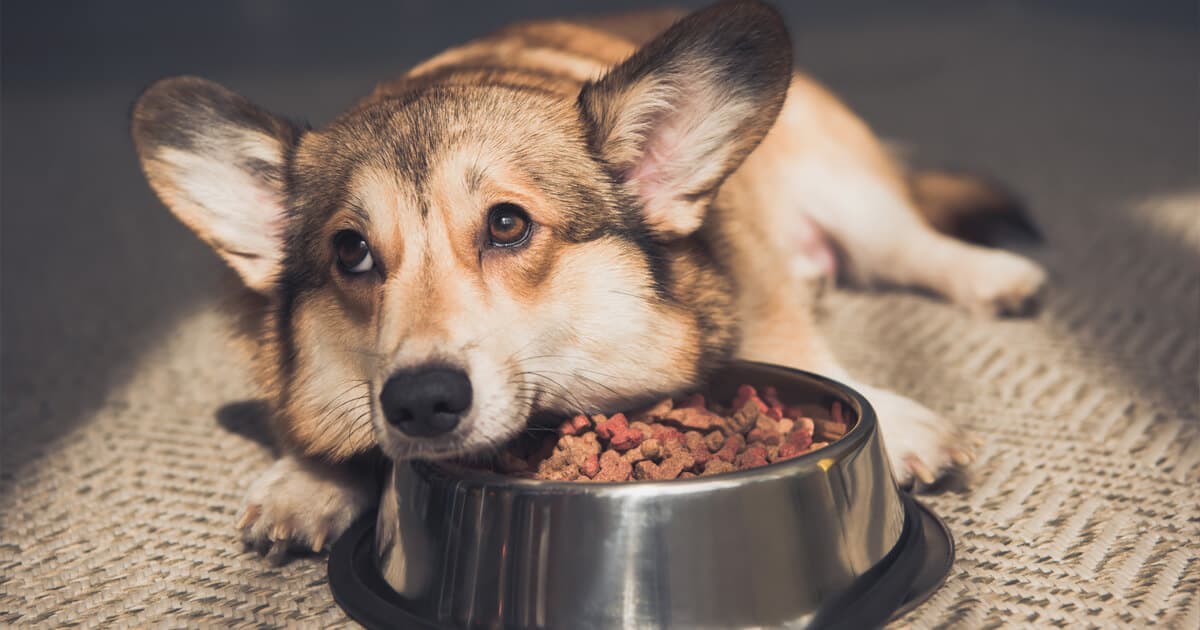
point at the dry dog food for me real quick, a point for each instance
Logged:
(675, 440)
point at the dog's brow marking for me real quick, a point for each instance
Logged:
(475, 175)
(423, 203)
(357, 208)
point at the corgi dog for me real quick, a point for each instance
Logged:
(564, 216)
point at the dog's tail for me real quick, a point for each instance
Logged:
(969, 206)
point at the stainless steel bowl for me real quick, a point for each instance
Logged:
(775, 546)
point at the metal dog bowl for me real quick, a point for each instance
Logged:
(823, 540)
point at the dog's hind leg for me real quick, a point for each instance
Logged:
(820, 165)
(883, 240)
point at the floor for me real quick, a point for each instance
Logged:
(125, 443)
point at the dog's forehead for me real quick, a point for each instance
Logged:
(409, 134)
(412, 150)
(414, 136)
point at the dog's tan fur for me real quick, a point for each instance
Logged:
(670, 198)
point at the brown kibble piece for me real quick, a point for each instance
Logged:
(733, 445)
(590, 466)
(575, 425)
(745, 394)
(627, 440)
(716, 467)
(765, 431)
(613, 468)
(746, 416)
(665, 434)
(558, 474)
(753, 457)
(693, 418)
(607, 427)
(697, 447)
(675, 462)
(570, 454)
(645, 470)
(770, 395)
(828, 429)
(796, 412)
(619, 434)
(654, 412)
(651, 449)
(796, 444)
(646, 429)
(714, 440)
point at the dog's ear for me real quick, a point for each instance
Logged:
(217, 162)
(680, 115)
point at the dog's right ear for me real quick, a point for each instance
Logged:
(217, 162)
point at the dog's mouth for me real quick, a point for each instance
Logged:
(426, 450)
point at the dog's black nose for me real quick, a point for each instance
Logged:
(426, 401)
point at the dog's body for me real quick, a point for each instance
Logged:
(564, 216)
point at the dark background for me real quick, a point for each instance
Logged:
(1083, 104)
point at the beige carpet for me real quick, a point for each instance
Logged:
(124, 452)
(1082, 511)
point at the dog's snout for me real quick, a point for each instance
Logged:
(426, 401)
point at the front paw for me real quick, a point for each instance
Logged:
(302, 504)
(921, 444)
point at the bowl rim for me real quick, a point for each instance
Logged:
(820, 460)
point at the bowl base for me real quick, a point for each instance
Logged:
(907, 576)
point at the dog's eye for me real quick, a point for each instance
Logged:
(354, 256)
(508, 225)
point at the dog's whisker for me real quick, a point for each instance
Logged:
(352, 401)
(566, 393)
(356, 383)
(586, 378)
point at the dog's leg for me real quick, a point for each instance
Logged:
(821, 165)
(885, 241)
(303, 503)
(760, 222)
(921, 443)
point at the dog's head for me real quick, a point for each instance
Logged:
(444, 263)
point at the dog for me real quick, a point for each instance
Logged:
(564, 216)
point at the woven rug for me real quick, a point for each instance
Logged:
(128, 439)
(1081, 511)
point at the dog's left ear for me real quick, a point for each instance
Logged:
(680, 115)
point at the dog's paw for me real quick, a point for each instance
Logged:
(1000, 283)
(302, 504)
(921, 444)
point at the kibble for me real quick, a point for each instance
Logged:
(677, 439)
